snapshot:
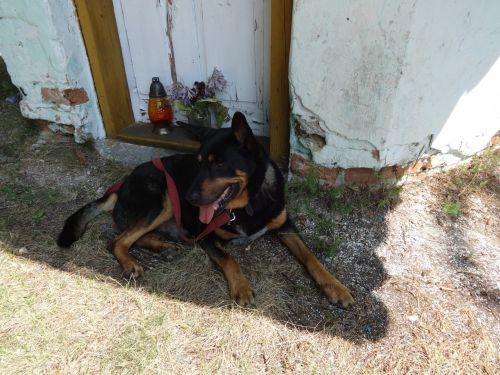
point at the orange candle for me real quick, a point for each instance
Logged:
(159, 108)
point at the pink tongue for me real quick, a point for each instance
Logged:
(206, 213)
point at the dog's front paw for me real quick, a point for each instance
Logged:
(242, 292)
(336, 292)
(132, 269)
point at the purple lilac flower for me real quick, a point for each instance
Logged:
(179, 91)
(216, 82)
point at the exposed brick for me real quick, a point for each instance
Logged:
(54, 95)
(76, 96)
(328, 175)
(299, 165)
(360, 176)
(393, 172)
(67, 96)
(302, 167)
(419, 166)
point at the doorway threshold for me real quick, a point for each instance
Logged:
(178, 138)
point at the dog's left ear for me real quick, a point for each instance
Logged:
(242, 132)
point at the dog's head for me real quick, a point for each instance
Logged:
(227, 159)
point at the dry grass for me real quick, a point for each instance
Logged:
(478, 177)
(55, 320)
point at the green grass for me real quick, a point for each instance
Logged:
(388, 195)
(338, 202)
(325, 239)
(477, 176)
(312, 180)
(328, 247)
(38, 215)
(451, 207)
(17, 194)
(28, 196)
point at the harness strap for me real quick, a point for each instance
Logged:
(172, 192)
(114, 188)
(216, 222)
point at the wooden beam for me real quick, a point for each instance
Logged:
(279, 129)
(177, 139)
(98, 26)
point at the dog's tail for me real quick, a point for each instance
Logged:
(75, 225)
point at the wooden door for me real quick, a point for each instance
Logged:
(185, 40)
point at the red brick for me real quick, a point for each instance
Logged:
(363, 176)
(67, 97)
(328, 176)
(301, 166)
(76, 96)
(419, 166)
(54, 95)
(393, 172)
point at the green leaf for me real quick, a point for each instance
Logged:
(38, 215)
(451, 207)
(181, 106)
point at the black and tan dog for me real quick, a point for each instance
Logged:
(231, 172)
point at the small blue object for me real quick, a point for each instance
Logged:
(10, 99)
(368, 329)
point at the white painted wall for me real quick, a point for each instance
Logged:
(400, 77)
(41, 44)
(232, 35)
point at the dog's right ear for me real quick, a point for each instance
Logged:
(199, 132)
(242, 132)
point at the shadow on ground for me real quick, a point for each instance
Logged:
(49, 181)
(46, 176)
(471, 250)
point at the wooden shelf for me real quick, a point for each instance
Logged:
(142, 134)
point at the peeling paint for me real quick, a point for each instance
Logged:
(170, 28)
(396, 83)
(44, 52)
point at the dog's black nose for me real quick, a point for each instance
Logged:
(193, 197)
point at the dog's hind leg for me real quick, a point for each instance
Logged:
(333, 289)
(121, 245)
(239, 286)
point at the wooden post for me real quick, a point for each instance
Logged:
(281, 25)
(99, 30)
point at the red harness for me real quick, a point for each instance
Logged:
(216, 222)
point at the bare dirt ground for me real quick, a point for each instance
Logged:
(426, 284)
